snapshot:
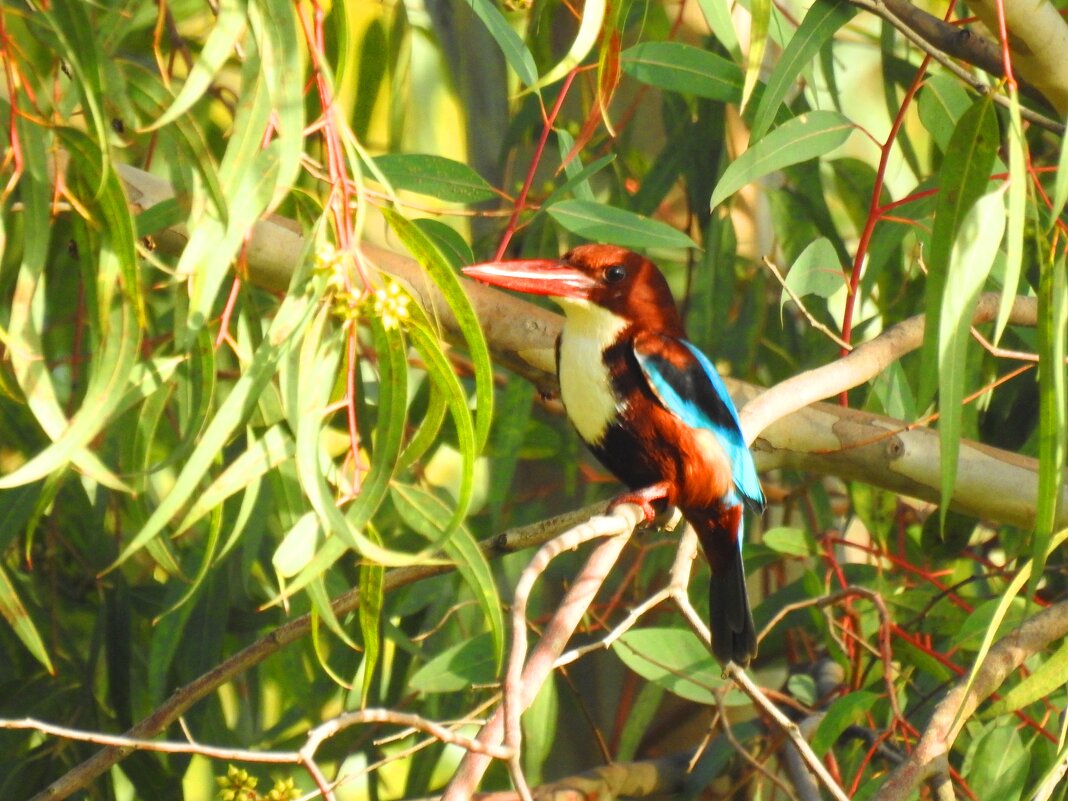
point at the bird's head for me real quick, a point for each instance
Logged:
(627, 285)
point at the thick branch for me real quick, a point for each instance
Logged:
(992, 484)
(1038, 40)
(925, 35)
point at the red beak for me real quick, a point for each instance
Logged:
(549, 277)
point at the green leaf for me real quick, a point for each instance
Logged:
(760, 20)
(224, 36)
(683, 68)
(149, 96)
(441, 273)
(639, 718)
(80, 43)
(824, 17)
(275, 28)
(515, 52)
(457, 668)
(1017, 213)
(841, 714)
(998, 763)
(372, 584)
(540, 733)
(1060, 184)
(429, 516)
(1052, 400)
(970, 261)
(964, 180)
(816, 271)
(790, 541)
(942, 102)
(602, 223)
(273, 448)
(436, 176)
(585, 38)
(297, 547)
(805, 137)
(718, 16)
(232, 412)
(19, 619)
(675, 660)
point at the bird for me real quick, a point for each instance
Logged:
(652, 408)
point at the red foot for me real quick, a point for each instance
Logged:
(643, 498)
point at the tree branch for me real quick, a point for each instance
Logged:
(992, 484)
(930, 756)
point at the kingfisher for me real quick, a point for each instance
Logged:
(652, 408)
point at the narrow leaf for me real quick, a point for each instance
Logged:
(442, 274)
(515, 52)
(436, 176)
(1043, 682)
(229, 25)
(589, 28)
(844, 712)
(970, 261)
(824, 17)
(683, 68)
(964, 180)
(18, 618)
(805, 137)
(608, 224)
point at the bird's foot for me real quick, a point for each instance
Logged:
(643, 499)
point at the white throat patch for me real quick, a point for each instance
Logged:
(585, 383)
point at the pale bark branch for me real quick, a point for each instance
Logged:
(1038, 41)
(925, 33)
(992, 484)
(555, 636)
(931, 755)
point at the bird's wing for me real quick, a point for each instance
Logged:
(688, 386)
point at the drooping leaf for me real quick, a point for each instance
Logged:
(229, 25)
(970, 261)
(442, 274)
(593, 12)
(436, 176)
(843, 712)
(963, 180)
(13, 610)
(683, 68)
(821, 22)
(760, 20)
(601, 223)
(515, 52)
(807, 136)
(1053, 402)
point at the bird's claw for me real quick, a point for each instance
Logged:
(643, 499)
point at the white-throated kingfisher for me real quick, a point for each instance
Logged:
(652, 408)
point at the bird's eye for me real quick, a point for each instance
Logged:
(614, 274)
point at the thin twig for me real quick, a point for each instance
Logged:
(837, 340)
(789, 727)
(725, 726)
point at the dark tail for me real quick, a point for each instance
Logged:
(729, 616)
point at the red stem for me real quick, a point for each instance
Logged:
(521, 201)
